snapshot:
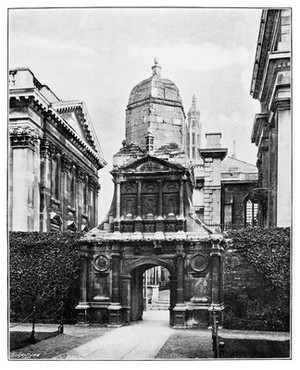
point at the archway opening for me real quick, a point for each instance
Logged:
(153, 288)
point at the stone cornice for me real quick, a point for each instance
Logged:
(260, 120)
(33, 97)
(213, 153)
(262, 49)
(156, 101)
(79, 108)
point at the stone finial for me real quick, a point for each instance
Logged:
(156, 68)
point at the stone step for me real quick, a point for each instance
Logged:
(158, 308)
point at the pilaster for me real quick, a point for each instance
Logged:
(23, 143)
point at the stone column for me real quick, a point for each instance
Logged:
(117, 204)
(284, 160)
(114, 309)
(65, 169)
(160, 198)
(96, 191)
(45, 192)
(23, 142)
(179, 310)
(216, 264)
(159, 219)
(180, 225)
(79, 195)
(126, 297)
(139, 199)
(180, 272)
(83, 278)
(138, 219)
(90, 205)
(173, 295)
(83, 306)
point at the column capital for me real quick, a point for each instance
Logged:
(47, 148)
(93, 183)
(81, 174)
(66, 163)
(23, 137)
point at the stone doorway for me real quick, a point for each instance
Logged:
(138, 288)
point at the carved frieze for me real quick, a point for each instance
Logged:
(151, 166)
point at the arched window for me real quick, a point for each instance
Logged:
(251, 210)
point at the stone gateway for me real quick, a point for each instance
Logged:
(151, 221)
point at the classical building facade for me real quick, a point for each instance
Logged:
(272, 128)
(53, 159)
(152, 221)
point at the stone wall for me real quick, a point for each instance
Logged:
(164, 122)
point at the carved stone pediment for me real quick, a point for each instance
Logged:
(151, 164)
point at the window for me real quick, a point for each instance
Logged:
(150, 144)
(251, 213)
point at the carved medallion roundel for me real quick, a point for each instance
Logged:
(101, 263)
(199, 262)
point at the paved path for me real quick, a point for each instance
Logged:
(139, 341)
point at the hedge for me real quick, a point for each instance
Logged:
(257, 279)
(44, 272)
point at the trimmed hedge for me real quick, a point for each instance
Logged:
(44, 272)
(257, 279)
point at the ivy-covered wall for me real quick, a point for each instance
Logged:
(44, 272)
(257, 279)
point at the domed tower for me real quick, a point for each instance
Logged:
(155, 106)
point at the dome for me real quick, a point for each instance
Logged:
(156, 88)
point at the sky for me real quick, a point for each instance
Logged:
(99, 54)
